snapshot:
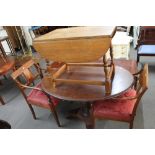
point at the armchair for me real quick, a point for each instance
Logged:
(24, 77)
(123, 108)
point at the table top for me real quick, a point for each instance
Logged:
(76, 44)
(6, 66)
(130, 65)
(122, 81)
(78, 32)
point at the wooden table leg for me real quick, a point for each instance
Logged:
(89, 120)
(1, 100)
(84, 113)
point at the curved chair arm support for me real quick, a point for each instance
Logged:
(126, 98)
(29, 87)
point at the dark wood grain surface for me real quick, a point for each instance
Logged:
(122, 81)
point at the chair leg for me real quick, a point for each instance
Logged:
(32, 111)
(138, 58)
(54, 112)
(5, 77)
(1, 100)
(131, 125)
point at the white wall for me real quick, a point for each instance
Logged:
(28, 37)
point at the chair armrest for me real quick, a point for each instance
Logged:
(29, 87)
(125, 98)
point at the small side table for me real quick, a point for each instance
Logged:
(121, 45)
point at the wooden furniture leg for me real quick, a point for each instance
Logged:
(85, 114)
(107, 82)
(1, 100)
(112, 61)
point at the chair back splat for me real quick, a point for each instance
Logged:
(25, 76)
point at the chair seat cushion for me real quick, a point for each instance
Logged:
(146, 49)
(115, 109)
(38, 98)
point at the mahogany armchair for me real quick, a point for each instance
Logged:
(24, 78)
(123, 108)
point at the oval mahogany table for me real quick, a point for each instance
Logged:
(87, 94)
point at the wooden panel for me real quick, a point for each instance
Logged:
(78, 32)
(81, 50)
(78, 44)
(13, 35)
(146, 35)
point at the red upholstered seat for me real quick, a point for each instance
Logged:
(116, 108)
(38, 98)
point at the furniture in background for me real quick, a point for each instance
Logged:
(13, 36)
(135, 35)
(5, 66)
(126, 29)
(121, 43)
(6, 38)
(123, 108)
(37, 96)
(146, 42)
